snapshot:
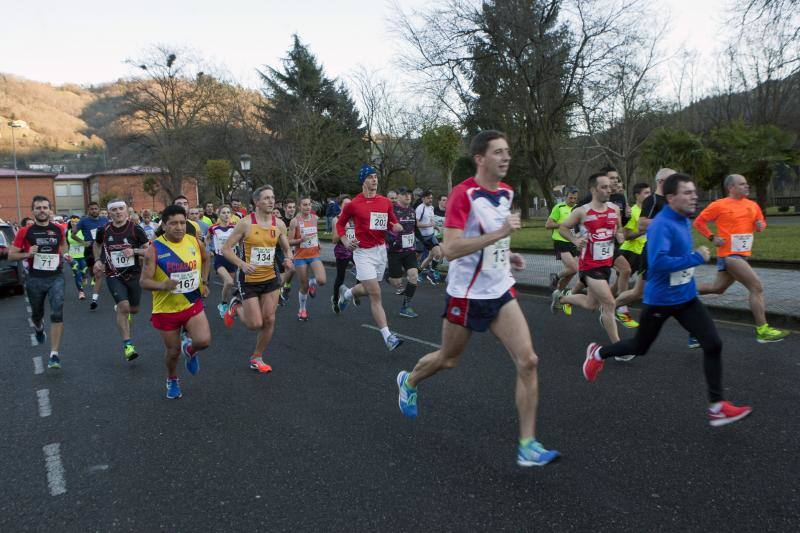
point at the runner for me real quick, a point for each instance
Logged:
(194, 215)
(480, 289)
(192, 228)
(209, 214)
(439, 211)
(286, 274)
(343, 255)
(303, 232)
(148, 225)
(736, 218)
(217, 236)
(176, 270)
(372, 214)
(632, 248)
(41, 245)
(402, 254)
(117, 246)
(565, 251)
(599, 222)
(84, 232)
(671, 292)
(77, 251)
(426, 225)
(258, 281)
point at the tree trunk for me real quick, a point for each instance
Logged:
(525, 199)
(449, 182)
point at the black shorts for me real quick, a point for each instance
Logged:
(475, 315)
(642, 270)
(617, 251)
(125, 289)
(634, 259)
(221, 262)
(279, 257)
(603, 273)
(254, 290)
(88, 254)
(561, 247)
(401, 262)
(429, 243)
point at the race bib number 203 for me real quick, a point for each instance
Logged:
(378, 221)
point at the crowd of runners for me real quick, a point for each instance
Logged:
(603, 242)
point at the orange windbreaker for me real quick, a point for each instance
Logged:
(735, 221)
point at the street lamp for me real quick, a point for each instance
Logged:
(244, 162)
(14, 125)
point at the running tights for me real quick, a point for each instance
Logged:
(695, 319)
(341, 272)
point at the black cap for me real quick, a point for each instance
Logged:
(403, 190)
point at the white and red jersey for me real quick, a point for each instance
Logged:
(218, 234)
(599, 228)
(484, 274)
(371, 217)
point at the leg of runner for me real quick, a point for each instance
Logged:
(286, 287)
(227, 289)
(454, 340)
(172, 345)
(97, 284)
(302, 291)
(268, 305)
(570, 269)
(56, 298)
(372, 288)
(599, 294)
(744, 274)
(412, 277)
(721, 282)
(631, 295)
(341, 272)
(623, 269)
(196, 337)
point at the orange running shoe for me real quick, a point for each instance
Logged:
(230, 314)
(302, 315)
(258, 364)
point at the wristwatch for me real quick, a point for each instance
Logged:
(711, 237)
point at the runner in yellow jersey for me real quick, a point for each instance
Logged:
(261, 233)
(176, 270)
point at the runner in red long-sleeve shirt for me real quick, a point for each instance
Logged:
(372, 215)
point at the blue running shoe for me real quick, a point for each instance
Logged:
(222, 308)
(534, 454)
(407, 312)
(192, 362)
(392, 342)
(693, 342)
(54, 362)
(173, 389)
(40, 335)
(343, 302)
(407, 399)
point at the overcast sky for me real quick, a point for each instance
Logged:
(87, 42)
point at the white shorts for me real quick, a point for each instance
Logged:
(370, 263)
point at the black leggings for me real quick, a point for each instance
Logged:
(695, 319)
(341, 272)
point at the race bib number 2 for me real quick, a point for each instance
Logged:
(741, 242)
(187, 281)
(378, 221)
(496, 256)
(45, 261)
(262, 256)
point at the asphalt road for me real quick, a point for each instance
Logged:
(319, 444)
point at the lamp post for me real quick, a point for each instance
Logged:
(244, 163)
(16, 124)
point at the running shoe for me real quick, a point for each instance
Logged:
(727, 413)
(81, 295)
(40, 335)
(93, 305)
(284, 296)
(130, 352)
(192, 361)
(407, 397)
(343, 302)
(553, 281)
(567, 308)
(312, 288)
(624, 358)
(592, 366)
(407, 312)
(54, 362)
(534, 454)
(431, 277)
(555, 301)
(173, 389)
(302, 315)
(693, 342)
(230, 314)
(626, 320)
(258, 364)
(766, 334)
(335, 304)
(399, 291)
(393, 341)
(222, 308)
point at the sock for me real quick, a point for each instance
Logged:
(348, 294)
(408, 293)
(312, 281)
(53, 352)
(95, 297)
(172, 378)
(623, 309)
(526, 441)
(597, 354)
(126, 342)
(40, 327)
(385, 332)
(303, 298)
(762, 328)
(715, 407)
(255, 356)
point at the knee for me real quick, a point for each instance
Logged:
(448, 361)
(201, 342)
(757, 288)
(527, 364)
(253, 323)
(712, 346)
(123, 308)
(268, 321)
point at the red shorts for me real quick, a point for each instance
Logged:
(173, 321)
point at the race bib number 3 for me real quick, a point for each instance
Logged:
(262, 256)
(602, 250)
(45, 261)
(496, 256)
(187, 281)
(741, 242)
(682, 277)
(118, 259)
(309, 236)
(408, 240)
(378, 221)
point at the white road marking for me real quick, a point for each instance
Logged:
(34, 342)
(44, 402)
(97, 468)
(405, 337)
(38, 366)
(30, 322)
(55, 469)
(28, 307)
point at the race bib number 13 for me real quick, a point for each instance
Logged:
(496, 256)
(378, 221)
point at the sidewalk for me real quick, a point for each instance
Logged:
(780, 287)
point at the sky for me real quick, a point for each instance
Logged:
(88, 42)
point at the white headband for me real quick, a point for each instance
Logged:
(119, 203)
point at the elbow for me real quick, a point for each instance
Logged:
(447, 252)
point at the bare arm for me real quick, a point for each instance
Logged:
(551, 224)
(572, 221)
(15, 254)
(455, 245)
(291, 231)
(149, 271)
(283, 242)
(334, 232)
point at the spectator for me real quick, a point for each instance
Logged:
(209, 216)
(332, 212)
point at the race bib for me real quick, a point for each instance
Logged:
(262, 256)
(602, 250)
(187, 281)
(309, 236)
(496, 256)
(219, 242)
(118, 259)
(45, 261)
(378, 221)
(76, 249)
(350, 234)
(682, 277)
(741, 242)
(93, 233)
(408, 240)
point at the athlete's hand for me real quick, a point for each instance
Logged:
(68, 258)
(580, 244)
(513, 222)
(704, 251)
(620, 238)
(247, 268)
(718, 241)
(759, 226)
(288, 264)
(397, 228)
(99, 267)
(127, 252)
(204, 290)
(628, 211)
(517, 261)
(33, 249)
(351, 245)
(168, 284)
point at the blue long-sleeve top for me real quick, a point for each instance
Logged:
(670, 260)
